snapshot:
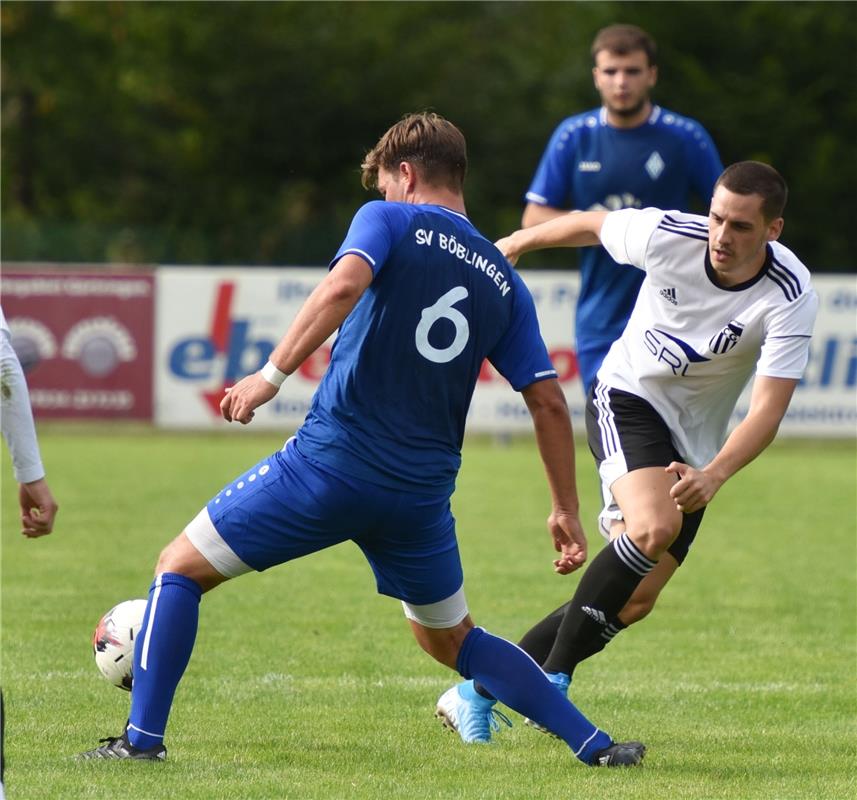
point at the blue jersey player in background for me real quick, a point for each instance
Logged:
(629, 153)
(420, 299)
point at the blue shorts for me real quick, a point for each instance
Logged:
(288, 506)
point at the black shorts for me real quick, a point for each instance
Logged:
(625, 433)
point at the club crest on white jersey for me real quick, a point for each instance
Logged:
(724, 341)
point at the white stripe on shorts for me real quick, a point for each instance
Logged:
(614, 465)
(205, 538)
(606, 420)
(443, 614)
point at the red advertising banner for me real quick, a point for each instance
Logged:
(85, 340)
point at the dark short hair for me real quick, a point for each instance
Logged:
(754, 177)
(432, 143)
(624, 39)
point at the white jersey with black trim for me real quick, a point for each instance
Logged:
(691, 345)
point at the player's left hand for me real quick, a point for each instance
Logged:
(241, 401)
(568, 540)
(504, 245)
(694, 488)
(508, 246)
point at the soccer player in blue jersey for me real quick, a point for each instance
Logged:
(630, 153)
(420, 299)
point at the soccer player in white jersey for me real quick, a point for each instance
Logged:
(420, 298)
(722, 299)
(37, 504)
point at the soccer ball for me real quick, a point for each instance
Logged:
(113, 641)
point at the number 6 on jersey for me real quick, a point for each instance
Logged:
(443, 309)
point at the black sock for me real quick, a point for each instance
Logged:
(538, 640)
(602, 593)
(595, 644)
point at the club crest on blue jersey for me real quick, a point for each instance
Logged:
(724, 341)
(655, 165)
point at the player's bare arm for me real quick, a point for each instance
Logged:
(768, 403)
(322, 313)
(549, 410)
(536, 214)
(574, 229)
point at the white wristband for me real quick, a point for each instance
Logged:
(274, 376)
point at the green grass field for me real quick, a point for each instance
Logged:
(306, 684)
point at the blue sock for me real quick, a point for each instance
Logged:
(515, 679)
(161, 654)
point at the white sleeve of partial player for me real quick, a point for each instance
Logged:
(785, 351)
(16, 416)
(625, 234)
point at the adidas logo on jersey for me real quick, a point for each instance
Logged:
(669, 294)
(589, 166)
(597, 615)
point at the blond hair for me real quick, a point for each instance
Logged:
(433, 144)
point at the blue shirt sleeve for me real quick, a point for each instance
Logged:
(703, 162)
(521, 356)
(373, 233)
(550, 185)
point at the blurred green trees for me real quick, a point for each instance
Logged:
(232, 132)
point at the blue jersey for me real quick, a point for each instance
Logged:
(590, 165)
(392, 405)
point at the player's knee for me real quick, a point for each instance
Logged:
(181, 557)
(167, 560)
(164, 561)
(656, 536)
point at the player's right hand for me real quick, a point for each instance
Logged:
(240, 402)
(569, 541)
(693, 489)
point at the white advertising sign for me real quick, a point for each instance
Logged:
(212, 327)
(215, 325)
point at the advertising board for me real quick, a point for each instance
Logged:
(85, 340)
(216, 325)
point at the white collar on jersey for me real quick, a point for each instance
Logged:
(653, 117)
